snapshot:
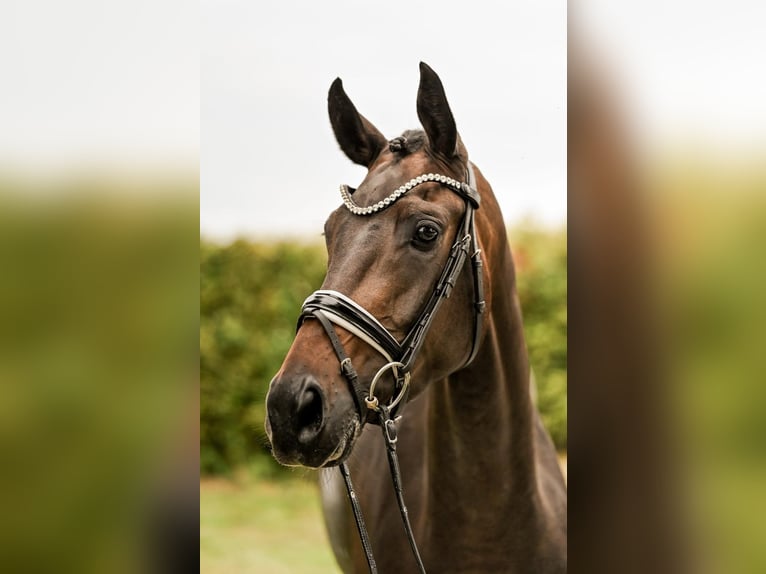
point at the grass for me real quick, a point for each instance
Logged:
(262, 526)
(265, 526)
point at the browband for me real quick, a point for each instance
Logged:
(465, 190)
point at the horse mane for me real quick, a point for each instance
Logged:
(409, 142)
(414, 140)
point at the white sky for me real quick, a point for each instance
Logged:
(87, 83)
(270, 164)
(239, 88)
(690, 73)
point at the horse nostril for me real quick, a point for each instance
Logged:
(309, 414)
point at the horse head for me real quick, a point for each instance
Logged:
(386, 254)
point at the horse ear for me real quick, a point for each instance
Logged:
(435, 114)
(358, 138)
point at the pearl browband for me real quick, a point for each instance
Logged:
(463, 189)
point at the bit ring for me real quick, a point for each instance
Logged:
(372, 401)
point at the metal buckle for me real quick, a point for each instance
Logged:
(390, 429)
(346, 367)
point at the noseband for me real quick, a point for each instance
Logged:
(333, 308)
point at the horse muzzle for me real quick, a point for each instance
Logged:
(304, 427)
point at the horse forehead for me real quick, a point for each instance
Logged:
(391, 172)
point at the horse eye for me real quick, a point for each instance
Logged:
(426, 233)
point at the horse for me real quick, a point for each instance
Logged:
(483, 486)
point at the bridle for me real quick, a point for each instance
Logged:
(333, 308)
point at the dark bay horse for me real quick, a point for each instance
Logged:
(481, 477)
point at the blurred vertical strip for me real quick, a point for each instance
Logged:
(99, 286)
(620, 517)
(667, 287)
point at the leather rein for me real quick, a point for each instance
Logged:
(333, 308)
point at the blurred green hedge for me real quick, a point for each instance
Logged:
(541, 276)
(250, 295)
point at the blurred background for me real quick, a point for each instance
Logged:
(99, 213)
(667, 199)
(650, 379)
(270, 171)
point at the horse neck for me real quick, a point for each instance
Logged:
(481, 421)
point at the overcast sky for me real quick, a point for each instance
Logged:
(269, 161)
(88, 82)
(689, 72)
(239, 88)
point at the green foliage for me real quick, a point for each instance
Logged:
(541, 275)
(250, 294)
(249, 298)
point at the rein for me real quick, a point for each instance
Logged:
(333, 308)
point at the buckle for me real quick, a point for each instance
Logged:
(390, 430)
(347, 369)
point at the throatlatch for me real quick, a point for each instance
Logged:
(333, 308)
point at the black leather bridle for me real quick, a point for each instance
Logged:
(333, 308)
